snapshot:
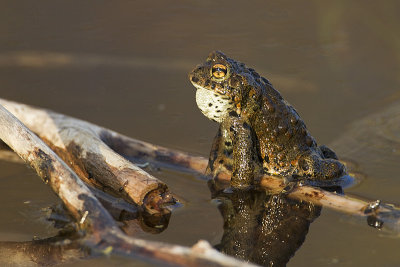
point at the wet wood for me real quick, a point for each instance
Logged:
(53, 171)
(319, 196)
(143, 151)
(130, 147)
(80, 145)
(376, 213)
(147, 152)
(102, 232)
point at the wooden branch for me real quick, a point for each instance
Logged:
(88, 211)
(65, 183)
(143, 151)
(375, 212)
(132, 148)
(79, 144)
(117, 207)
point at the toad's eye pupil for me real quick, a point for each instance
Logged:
(219, 71)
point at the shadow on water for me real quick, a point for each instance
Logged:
(266, 229)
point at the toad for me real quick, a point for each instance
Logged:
(259, 132)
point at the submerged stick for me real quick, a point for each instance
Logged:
(91, 216)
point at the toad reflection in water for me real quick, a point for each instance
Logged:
(261, 228)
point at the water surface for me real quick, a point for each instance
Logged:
(124, 65)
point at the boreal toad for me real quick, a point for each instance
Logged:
(259, 131)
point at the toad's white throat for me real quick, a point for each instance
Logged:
(214, 106)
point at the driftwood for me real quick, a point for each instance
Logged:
(89, 150)
(83, 150)
(376, 212)
(103, 233)
(57, 130)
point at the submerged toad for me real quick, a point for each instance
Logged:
(259, 131)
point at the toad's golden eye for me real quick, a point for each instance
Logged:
(219, 71)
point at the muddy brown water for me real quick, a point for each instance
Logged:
(124, 65)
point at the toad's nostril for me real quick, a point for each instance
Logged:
(195, 79)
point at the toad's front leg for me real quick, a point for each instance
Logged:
(245, 159)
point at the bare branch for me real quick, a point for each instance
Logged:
(130, 147)
(53, 171)
(133, 148)
(88, 211)
(79, 144)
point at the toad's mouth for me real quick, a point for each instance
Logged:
(197, 86)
